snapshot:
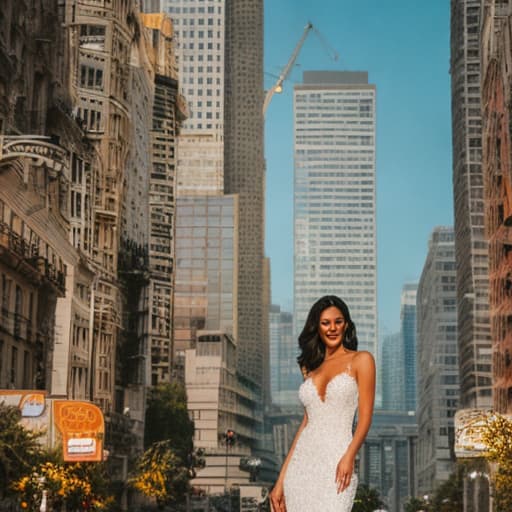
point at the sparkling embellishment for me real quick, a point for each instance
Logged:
(309, 484)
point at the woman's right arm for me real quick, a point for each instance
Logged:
(277, 494)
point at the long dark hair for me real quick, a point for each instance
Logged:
(312, 349)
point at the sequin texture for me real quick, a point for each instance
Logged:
(309, 484)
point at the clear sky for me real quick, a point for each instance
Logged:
(404, 46)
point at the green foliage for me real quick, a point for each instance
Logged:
(19, 448)
(448, 497)
(415, 505)
(498, 439)
(167, 419)
(164, 470)
(367, 499)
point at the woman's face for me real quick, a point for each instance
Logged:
(332, 327)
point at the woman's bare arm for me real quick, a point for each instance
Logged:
(364, 366)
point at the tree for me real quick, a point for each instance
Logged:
(160, 474)
(167, 419)
(69, 486)
(416, 505)
(19, 448)
(448, 497)
(367, 499)
(497, 437)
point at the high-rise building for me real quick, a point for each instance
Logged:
(497, 165)
(398, 358)
(437, 363)
(471, 248)
(200, 36)
(244, 173)
(168, 112)
(285, 375)
(334, 196)
(392, 378)
(220, 59)
(408, 340)
(206, 288)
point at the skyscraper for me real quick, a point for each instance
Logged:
(408, 339)
(471, 248)
(244, 172)
(497, 134)
(220, 59)
(285, 375)
(438, 369)
(392, 378)
(334, 196)
(199, 31)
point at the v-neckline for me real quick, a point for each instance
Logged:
(344, 372)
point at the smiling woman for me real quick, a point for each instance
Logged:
(318, 473)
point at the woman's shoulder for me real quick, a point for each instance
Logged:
(363, 357)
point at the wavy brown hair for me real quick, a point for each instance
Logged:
(312, 348)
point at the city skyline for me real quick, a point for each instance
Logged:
(406, 52)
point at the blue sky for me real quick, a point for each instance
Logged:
(404, 46)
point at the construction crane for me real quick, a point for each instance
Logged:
(278, 86)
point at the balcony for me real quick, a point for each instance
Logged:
(24, 257)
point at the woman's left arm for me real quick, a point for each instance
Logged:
(364, 369)
(364, 366)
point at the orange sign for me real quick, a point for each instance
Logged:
(82, 427)
(32, 404)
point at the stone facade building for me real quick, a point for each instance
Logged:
(89, 112)
(497, 171)
(169, 110)
(473, 329)
(45, 280)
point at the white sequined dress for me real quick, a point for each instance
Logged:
(309, 484)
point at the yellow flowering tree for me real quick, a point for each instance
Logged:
(161, 475)
(497, 437)
(19, 448)
(77, 486)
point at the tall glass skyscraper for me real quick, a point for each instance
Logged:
(334, 196)
(285, 375)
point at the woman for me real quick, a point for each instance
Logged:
(318, 472)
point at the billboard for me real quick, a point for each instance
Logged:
(80, 424)
(82, 428)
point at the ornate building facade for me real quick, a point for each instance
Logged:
(497, 170)
(45, 281)
(89, 112)
(472, 277)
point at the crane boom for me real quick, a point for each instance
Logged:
(278, 86)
